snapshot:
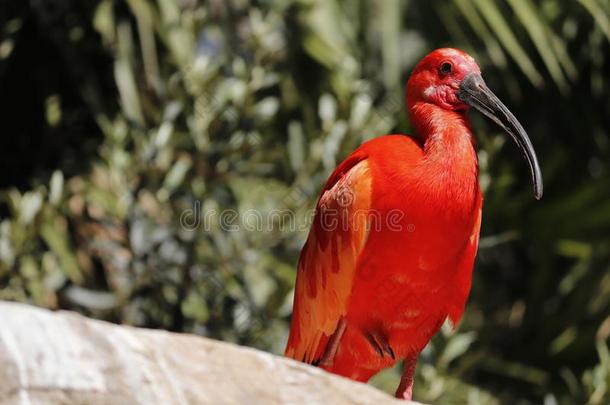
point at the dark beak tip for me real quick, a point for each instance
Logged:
(538, 191)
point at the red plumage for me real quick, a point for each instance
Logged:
(390, 253)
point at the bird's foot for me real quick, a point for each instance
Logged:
(406, 394)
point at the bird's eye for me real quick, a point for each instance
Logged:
(446, 68)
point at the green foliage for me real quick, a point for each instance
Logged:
(207, 113)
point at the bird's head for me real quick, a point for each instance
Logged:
(437, 78)
(451, 79)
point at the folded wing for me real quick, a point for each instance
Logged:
(328, 260)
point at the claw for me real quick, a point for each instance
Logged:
(380, 344)
(390, 352)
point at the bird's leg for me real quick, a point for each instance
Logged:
(405, 388)
(333, 344)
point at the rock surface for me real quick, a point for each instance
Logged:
(64, 358)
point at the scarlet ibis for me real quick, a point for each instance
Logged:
(390, 253)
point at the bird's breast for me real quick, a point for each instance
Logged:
(415, 251)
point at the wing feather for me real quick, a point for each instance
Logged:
(328, 260)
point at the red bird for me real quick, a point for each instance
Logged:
(390, 253)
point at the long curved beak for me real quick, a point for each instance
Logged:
(474, 92)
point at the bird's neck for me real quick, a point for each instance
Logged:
(449, 147)
(446, 133)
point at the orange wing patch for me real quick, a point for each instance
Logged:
(328, 260)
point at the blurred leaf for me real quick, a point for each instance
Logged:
(54, 236)
(491, 13)
(472, 16)
(56, 187)
(457, 346)
(528, 15)
(390, 29)
(599, 14)
(296, 145)
(124, 76)
(29, 206)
